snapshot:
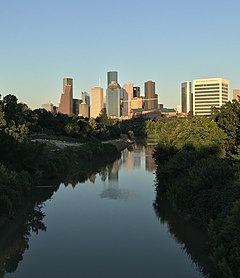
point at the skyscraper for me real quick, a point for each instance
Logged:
(86, 99)
(66, 101)
(186, 97)
(96, 101)
(209, 93)
(150, 96)
(112, 76)
(128, 95)
(113, 99)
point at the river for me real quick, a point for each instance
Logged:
(106, 226)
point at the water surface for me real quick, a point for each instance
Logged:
(104, 227)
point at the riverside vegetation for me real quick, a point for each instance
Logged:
(198, 171)
(197, 164)
(24, 164)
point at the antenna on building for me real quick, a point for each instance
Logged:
(99, 81)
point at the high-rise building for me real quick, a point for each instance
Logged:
(86, 99)
(113, 100)
(209, 93)
(136, 91)
(150, 96)
(186, 97)
(126, 103)
(236, 94)
(96, 101)
(83, 110)
(112, 76)
(76, 103)
(66, 101)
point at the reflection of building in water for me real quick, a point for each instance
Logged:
(113, 172)
(149, 161)
(128, 162)
(111, 188)
(137, 158)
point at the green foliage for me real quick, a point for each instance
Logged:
(228, 119)
(224, 236)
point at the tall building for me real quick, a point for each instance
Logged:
(150, 96)
(112, 76)
(66, 101)
(186, 97)
(114, 94)
(76, 103)
(83, 110)
(86, 99)
(96, 101)
(136, 91)
(236, 94)
(209, 93)
(128, 95)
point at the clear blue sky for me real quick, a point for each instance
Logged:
(168, 42)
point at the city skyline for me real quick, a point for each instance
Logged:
(170, 44)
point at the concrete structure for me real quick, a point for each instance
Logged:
(83, 110)
(128, 95)
(186, 97)
(96, 101)
(209, 93)
(66, 101)
(150, 96)
(48, 106)
(136, 103)
(236, 94)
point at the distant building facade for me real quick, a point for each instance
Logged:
(48, 106)
(83, 110)
(96, 101)
(186, 97)
(113, 100)
(86, 99)
(136, 91)
(151, 100)
(236, 94)
(66, 101)
(112, 76)
(209, 93)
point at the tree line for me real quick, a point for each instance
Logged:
(198, 171)
(24, 163)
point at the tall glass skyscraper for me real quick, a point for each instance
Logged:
(186, 97)
(112, 76)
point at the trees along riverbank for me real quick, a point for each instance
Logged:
(198, 171)
(24, 164)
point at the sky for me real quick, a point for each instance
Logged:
(41, 42)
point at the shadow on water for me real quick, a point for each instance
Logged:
(15, 235)
(192, 238)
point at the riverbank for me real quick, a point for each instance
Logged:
(120, 143)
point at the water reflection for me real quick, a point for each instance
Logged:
(141, 234)
(192, 238)
(14, 239)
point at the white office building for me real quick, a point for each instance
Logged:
(209, 93)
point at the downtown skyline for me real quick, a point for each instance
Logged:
(154, 40)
